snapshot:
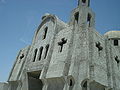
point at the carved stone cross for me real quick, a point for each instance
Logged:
(61, 43)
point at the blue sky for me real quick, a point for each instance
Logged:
(20, 18)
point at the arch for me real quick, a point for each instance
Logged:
(50, 17)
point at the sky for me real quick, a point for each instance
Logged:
(20, 18)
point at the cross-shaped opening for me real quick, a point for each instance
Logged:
(117, 60)
(22, 56)
(61, 43)
(98, 45)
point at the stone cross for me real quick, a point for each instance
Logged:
(61, 43)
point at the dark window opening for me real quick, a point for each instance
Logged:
(61, 43)
(35, 54)
(89, 20)
(88, 2)
(71, 83)
(77, 16)
(22, 56)
(84, 87)
(98, 45)
(83, 1)
(45, 32)
(40, 55)
(115, 42)
(85, 84)
(47, 47)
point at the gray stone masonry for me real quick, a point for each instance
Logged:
(68, 56)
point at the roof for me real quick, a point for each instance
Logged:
(113, 34)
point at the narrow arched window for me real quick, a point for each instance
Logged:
(89, 20)
(40, 54)
(35, 54)
(46, 51)
(76, 16)
(45, 32)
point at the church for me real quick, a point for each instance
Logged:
(68, 56)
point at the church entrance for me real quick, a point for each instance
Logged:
(34, 83)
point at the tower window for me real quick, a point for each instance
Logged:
(35, 54)
(77, 16)
(47, 47)
(89, 20)
(115, 42)
(45, 32)
(40, 54)
(83, 1)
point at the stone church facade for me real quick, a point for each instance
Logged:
(68, 56)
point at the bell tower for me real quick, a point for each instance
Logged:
(83, 14)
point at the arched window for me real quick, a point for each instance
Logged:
(89, 20)
(45, 32)
(40, 54)
(76, 16)
(35, 54)
(47, 47)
